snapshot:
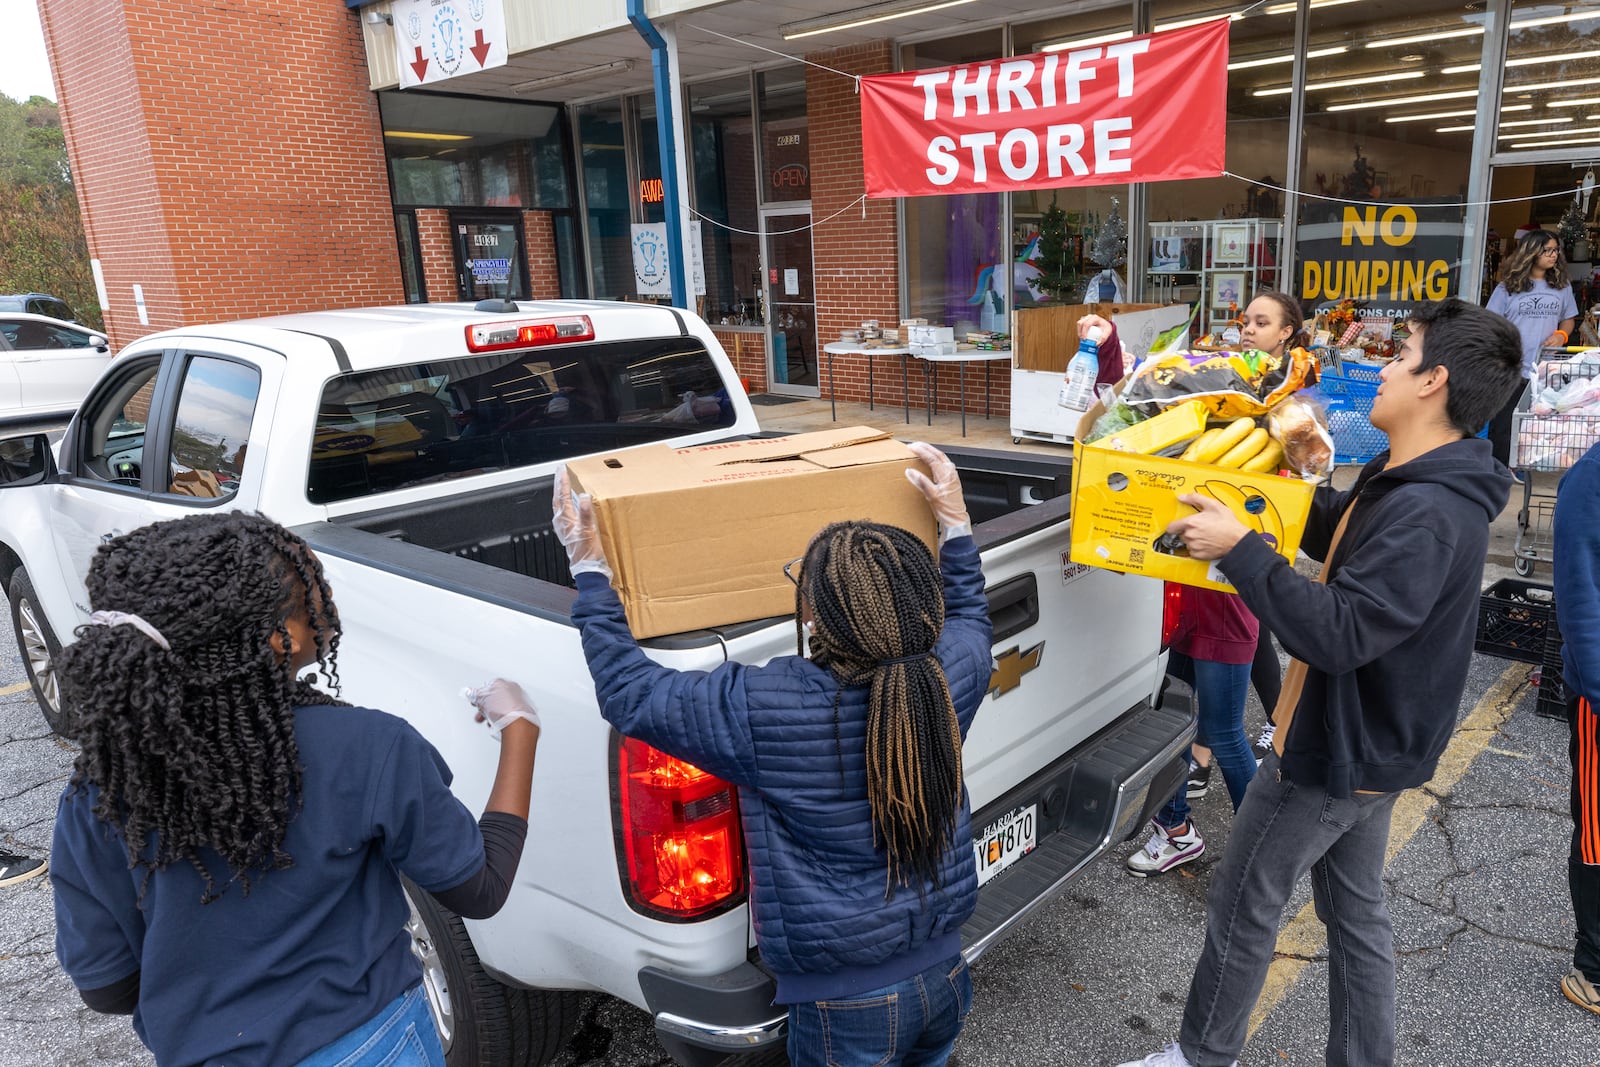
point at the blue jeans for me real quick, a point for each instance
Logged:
(401, 1035)
(1219, 690)
(1283, 830)
(912, 1023)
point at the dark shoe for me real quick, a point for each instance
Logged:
(1263, 743)
(1576, 987)
(1199, 780)
(14, 868)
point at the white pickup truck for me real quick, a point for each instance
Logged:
(413, 448)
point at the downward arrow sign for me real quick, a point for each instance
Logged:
(420, 65)
(480, 51)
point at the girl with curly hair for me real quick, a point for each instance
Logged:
(1536, 295)
(848, 762)
(228, 853)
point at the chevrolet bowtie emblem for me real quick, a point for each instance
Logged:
(1011, 665)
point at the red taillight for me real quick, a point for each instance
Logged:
(1171, 603)
(528, 333)
(680, 834)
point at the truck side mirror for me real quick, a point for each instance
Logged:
(99, 343)
(26, 460)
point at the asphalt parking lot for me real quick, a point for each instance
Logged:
(1477, 882)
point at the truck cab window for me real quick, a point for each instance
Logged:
(404, 426)
(211, 432)
(112, 427)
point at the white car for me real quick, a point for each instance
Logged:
(47, 365)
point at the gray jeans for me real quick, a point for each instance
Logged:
(1281, 831)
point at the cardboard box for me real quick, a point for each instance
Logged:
(698, 537)
(1123, 501)
(928, 335)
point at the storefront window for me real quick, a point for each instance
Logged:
(451, 151)
(1552, 78)
(956, 262)
(652, 201)
(785, 153)
(405, 229)
(1389, 105)
(608, 195)
(722, 148)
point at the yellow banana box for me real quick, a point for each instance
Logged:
(1122, 503)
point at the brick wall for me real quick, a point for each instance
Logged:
(539, 237)
(856, 254)
(227, 159)
(438, 254)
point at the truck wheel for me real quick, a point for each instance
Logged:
(40, 651)
(481, 1021)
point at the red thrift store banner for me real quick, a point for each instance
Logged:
(1146, 109)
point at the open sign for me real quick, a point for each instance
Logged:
(792, 176)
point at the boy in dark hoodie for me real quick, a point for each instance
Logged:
(1577, 580)
(1381, 646)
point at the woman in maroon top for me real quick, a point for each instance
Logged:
(1212, 650)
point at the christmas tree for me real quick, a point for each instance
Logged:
(1572, 227)
(1055, 256)
(1111, 244)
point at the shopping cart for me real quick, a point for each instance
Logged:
(1551, 437)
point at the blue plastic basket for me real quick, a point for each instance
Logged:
(1361, 372)
(1355, 439)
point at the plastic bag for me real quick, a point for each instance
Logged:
(1221, 380)
(1300, 424)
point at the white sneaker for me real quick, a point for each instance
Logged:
(1263, 743)
(1171, 1056)
(1167, 849)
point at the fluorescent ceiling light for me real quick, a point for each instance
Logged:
(1123, 35)
(1288, 9)
(1582, 131)
(1524, 61)
(1556, 144)
(1344, 83)
(1287, 57)
(864, 16)
(1505, 125)
(550, 81)
(1473, 31)
(1552, 20)
(1400, 101)
(1424, 38)
(1567, 84)
(1585, 102)
(410, 135)
(1454, 114)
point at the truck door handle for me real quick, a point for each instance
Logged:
(1013, 605)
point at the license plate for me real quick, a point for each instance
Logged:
(1005, 841)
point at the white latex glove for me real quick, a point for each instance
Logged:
(573, 519)
(943, 491)
(499, 704)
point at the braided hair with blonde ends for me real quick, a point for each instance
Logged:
(194, 748)
(877, 600)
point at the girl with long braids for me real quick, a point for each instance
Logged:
(849, 766)
(228, 853)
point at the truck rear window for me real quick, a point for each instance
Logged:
(403, 426)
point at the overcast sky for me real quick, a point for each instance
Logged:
(24, 68)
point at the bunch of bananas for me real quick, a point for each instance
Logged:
(1241, 443)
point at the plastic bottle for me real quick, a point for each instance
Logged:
(1077, 386)
(1233, 331)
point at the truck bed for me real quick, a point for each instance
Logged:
(509, 528)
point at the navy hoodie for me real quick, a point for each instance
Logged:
(1389, 638)
(1577, 574)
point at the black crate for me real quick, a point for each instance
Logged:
(1513, 617)
(1552, 702)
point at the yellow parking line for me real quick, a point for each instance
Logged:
(1305, 937)
(8, 690)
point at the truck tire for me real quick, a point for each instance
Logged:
(482, 1022)
(39, 649)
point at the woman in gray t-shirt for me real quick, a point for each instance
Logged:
(1535, 294)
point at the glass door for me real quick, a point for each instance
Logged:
(791, 301)
(490, 259)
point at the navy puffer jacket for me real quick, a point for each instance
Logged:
(817, 880)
